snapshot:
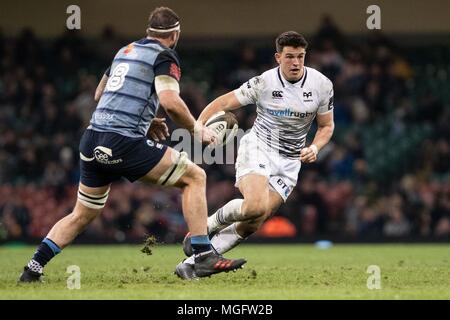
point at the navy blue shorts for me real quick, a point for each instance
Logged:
(106, 157)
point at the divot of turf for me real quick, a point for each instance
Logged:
(148, 243)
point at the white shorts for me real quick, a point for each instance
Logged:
(256, 157)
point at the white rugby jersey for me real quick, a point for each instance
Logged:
(285, 111)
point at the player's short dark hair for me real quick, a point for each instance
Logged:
(162, 18)
(290, 39)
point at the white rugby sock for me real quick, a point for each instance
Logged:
(226, 239)
(223, 241)
(229, 213)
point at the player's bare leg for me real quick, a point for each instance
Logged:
(248, 227)
(255, 189)
(193, 184)
(69, 227)
(89, 205)
(234, 234)
(259, 203)
(174, 169)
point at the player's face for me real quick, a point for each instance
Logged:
(291, 61)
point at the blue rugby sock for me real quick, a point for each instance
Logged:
(200, 244)
(44, 253)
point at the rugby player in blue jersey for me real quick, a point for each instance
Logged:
(143, 75)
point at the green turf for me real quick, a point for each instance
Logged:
(272, 272)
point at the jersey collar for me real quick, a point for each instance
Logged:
(299, 83)
(147, 41)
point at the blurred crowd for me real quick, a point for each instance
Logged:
(46, 100)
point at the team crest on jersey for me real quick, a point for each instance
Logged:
(130, 52)
(129, 48)
(307, 96)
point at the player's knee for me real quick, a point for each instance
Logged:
(254, 209)
(194, 176)
(198, 175)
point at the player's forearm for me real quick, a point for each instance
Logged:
(225, 102)
(177, 110)
(323, 135)
(182, 117)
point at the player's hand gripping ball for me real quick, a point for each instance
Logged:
(225, 125)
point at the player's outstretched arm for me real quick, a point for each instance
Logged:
(226, 102)
(325, 128)
(177, 110)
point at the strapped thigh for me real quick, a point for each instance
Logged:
(176, 170)
(92, 201)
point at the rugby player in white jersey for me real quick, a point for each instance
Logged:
(288, 99)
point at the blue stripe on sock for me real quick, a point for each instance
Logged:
(52, 245)
(200, 240)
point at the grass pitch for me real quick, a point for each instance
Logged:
(272, 272)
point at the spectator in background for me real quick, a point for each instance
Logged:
(15, 218)
(396, 225)
(246, 68)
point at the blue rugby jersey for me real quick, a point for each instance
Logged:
(129, 101)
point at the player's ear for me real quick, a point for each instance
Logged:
(278, 57)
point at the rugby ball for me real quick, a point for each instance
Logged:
(225, 125)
